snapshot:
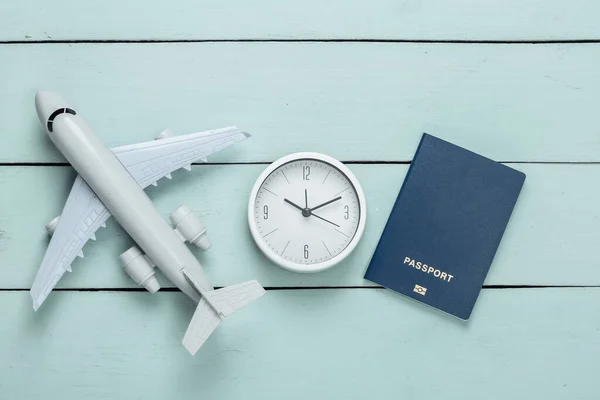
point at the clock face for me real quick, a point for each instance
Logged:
(307, 213)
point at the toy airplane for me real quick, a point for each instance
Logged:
(112, 182)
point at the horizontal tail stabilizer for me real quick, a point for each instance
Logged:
(226, 300)
(234, 297)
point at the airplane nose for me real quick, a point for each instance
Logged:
(46, 104)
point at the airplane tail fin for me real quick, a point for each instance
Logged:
(225, 302)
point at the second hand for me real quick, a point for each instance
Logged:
(326, 220)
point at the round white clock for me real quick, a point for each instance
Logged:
(307, 212)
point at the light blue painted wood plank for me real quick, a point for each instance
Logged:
(551, 238)
(311, 344)
(354, 101)
(310, 19)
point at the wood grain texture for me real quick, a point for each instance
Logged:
(353, 101)
(309, 344)
(310, 19)
(550, 240)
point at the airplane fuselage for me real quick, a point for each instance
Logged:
(126, 201)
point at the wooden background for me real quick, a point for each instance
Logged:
(515, 80)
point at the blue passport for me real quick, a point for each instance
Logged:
(445, 226)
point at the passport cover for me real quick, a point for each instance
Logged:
(445, 226)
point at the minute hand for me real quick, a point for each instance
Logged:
(326, 203)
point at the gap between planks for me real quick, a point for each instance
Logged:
(325, 40)
(350, 162)
(284, 288)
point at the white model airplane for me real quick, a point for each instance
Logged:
(112, 182)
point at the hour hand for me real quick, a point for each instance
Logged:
(293, 204)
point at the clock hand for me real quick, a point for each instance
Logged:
(326, 203)
(326, 220)
(306, 197)
(294, 204)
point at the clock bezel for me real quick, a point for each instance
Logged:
(321, 266)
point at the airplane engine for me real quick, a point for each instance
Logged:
(51, 226)
(164, 135)
(139, 268)
(190, 228)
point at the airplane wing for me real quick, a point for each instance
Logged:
(226, 300)
(149, 161)
(82, 215)
(84, 212)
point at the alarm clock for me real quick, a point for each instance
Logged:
(307, 212)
